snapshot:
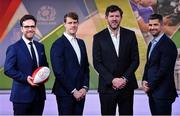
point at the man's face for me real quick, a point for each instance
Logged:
(114, 19)
(155, 27)
(71, 26)
(28, 29)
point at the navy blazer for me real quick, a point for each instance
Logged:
(159, 69)
(109, 65)
(18, 65)
(67, 70)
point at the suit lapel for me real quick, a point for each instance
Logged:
(122, 41)
(157, 45)
(71, 49)
(25, 50)
(109, 40)
(81, 51)
(38, 51)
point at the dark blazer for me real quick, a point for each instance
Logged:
(18, 65)
(67, 70)
(109, 65)
(159, 69)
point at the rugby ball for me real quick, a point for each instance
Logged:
(41, 75)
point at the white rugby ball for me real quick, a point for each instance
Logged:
(41, 75)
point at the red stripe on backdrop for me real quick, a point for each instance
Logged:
(7, 10)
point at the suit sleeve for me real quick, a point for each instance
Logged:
(86, 75)
(58, 65)
(167, 62)
(134, 56)
(44, 58)
(98, 63)
(10, 66)
(145, 73)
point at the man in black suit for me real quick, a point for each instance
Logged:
(71, 69)
(158, 79)
(116, 58)
(22, 58)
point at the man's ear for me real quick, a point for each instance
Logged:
(21, 29)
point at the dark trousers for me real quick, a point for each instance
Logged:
(124, 100)
(33, 108)
(160, 106)
(67, 105)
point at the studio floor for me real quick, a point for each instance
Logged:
(92, 105)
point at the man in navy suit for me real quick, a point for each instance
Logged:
(116, 58)
(28, 98)
(158, 79)
(71, 69)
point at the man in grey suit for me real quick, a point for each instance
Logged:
(158, 79)
(116, 58)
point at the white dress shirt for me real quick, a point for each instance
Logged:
(115, 40)
(75, 45)
(29, 48)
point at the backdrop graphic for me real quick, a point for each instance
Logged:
(49, 14)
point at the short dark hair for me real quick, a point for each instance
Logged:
(72, 15)
(27, 17)
(113, 8)
(156, 16)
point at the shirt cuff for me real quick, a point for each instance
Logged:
(85, 87)
(73, 90)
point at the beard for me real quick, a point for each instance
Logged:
(156, 33)
(112, 26)
(28, 36)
